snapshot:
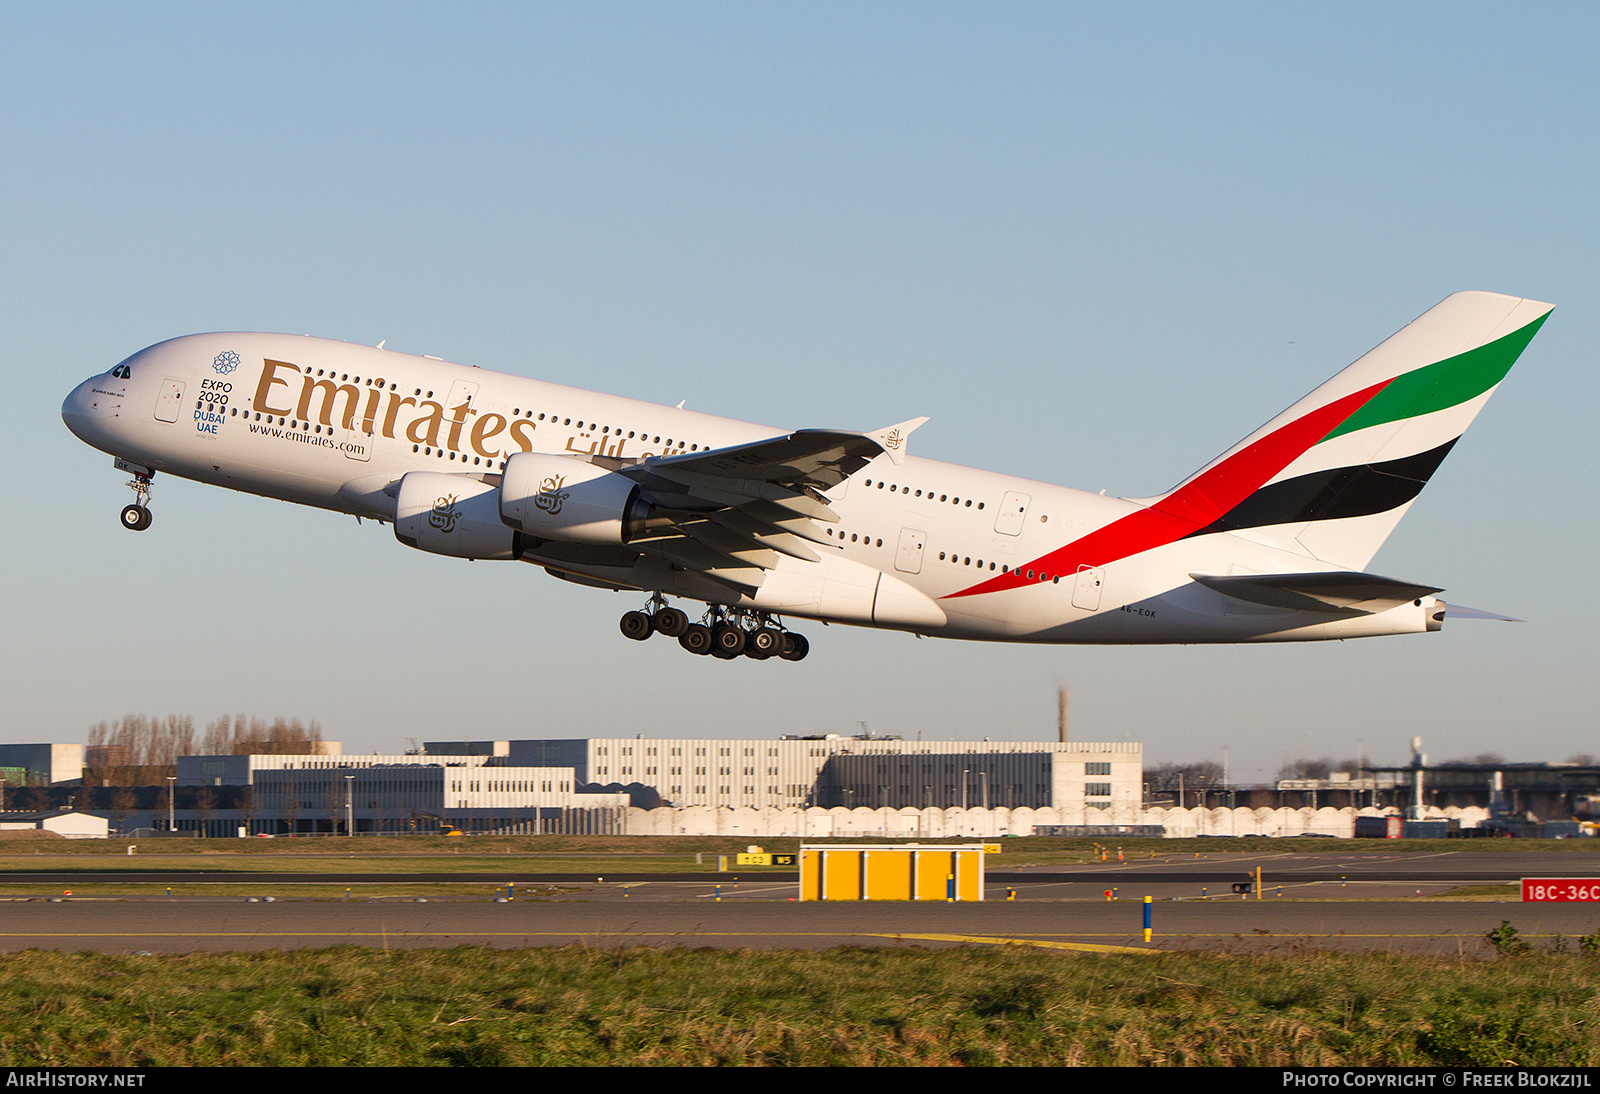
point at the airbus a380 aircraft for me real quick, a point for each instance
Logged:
(1268, 542)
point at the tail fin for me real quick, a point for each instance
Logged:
(1331, 476)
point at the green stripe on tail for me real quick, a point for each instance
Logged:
(1442, 384)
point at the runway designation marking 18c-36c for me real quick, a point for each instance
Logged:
(1560, 888)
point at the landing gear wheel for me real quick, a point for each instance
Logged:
(696, 639)
(795, 647)
(752, 651)
(635, 625)
(136, 518)
(728, 640)
(766, 641)
(671, 622)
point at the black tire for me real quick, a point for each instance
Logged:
(728, 639)
(136, 518)
(753, 653)
(696, 639)
(795, 647)
(635, 625)
(768, 640)
(671, 622)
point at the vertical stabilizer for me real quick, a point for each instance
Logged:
(1331, 476)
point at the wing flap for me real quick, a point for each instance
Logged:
(764, 533)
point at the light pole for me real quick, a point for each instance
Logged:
(172, 781)
(349, 805)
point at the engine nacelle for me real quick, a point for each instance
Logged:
(455, 515)
(558, 497)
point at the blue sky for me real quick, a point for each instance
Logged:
(1095, 246)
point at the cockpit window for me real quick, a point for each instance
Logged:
(122, 372)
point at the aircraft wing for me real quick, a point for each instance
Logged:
(819, 459)
(728, 513)
(1338, 591)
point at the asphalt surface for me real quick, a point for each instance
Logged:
(1365, 901)
(696, 919)
(1175, 875)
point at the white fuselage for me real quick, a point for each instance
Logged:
(335, 425)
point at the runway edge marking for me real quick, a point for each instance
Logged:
(1089, 947)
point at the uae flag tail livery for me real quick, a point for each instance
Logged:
(1334, 473)
(1325, 481)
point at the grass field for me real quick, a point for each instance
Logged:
(850, 1006)
(902, 1005)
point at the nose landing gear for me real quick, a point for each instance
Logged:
(136, 517)
(724, 633)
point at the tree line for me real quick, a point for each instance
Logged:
(137, 750)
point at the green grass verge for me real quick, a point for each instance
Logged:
(850, 1006)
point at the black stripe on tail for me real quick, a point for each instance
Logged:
(1331, 495)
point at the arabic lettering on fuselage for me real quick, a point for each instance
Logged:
(376, 410)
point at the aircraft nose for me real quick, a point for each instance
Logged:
(76, 409)
(90, 407)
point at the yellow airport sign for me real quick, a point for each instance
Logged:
(901, 871)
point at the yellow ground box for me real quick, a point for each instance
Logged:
(897, 871)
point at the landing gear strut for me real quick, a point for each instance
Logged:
(136, 517)
(724, 633)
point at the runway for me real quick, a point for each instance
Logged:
(1345, 901)
(1288, 873)
(688, 914)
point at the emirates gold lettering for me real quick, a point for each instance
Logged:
(394, 408)
(465, 429)
(370, 415)
(485, 427)
(425, 430)
(330, 391)
(519, 433)
(269, 376)
(457, 417)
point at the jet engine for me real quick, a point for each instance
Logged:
(456, 515)
(560, 498)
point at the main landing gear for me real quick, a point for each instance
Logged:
(136, 517)
(725, 633)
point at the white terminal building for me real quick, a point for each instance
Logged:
(833, 771)
(398, 793)
(803, 785)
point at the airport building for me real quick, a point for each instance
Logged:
(40, 764)
(281, 794)
(833, 771)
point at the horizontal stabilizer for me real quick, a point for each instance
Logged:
(1333, 591)
(1456, 611)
